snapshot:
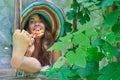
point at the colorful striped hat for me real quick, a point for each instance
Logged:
(50, 11)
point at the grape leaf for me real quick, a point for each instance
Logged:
(110, 37)
(71, 15)
(64, 73)
(61, 74)
(98, 42)
(111, 18)
(67, 26)
(65, 42)
(86, 16)
(59, 46)
(111, 49)
(75, 6)
(110, 72)
(66, 38)
(91, 68)
(77, 58)
(81, 39)
(94, 55)
(91, 32)
(81, 18)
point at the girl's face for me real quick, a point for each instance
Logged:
(35, 23)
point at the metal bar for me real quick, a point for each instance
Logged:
(18, 9)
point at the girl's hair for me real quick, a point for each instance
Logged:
(45, 42)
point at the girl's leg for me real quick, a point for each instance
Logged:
(20, 44)
(30, 65)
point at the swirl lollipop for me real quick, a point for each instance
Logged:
(36, 34)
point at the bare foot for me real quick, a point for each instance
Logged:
(20, 44)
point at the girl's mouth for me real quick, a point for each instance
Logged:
(36, 33)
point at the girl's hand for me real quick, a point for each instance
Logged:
(31, 48)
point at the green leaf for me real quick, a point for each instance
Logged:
(75, 6)
(87, 18)
(66, 37)
(111, 18)
(77, 58)
(71, 15)
(91, 32)
(110, 37)
(81, 18)
(84, 27)
(68, 27)
(70, 56)
(116, 28)
(106, 3)
(51, 73)
(118, 37)
(104, 32)
(62, 76)
(98, 42)
(114, 51)
(65, 42)
(81, 61)
(85, 11)
(91, 68)
(94, 55)
(58, 46)
(81, 39)
(111, 49)
(92, 76)
(110, 72)
(60, 62)
(66, 72)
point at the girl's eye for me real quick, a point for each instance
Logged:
(32, 22)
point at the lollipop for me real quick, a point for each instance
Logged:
(36, 34)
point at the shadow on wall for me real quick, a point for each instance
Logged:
(5, 37)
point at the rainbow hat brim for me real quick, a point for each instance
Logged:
(50, 11)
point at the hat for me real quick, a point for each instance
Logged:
(52, 13)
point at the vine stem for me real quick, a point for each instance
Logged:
(76, 17)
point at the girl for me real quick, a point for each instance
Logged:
(31, 54)
(35, 51)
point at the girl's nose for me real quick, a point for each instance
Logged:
(38, 27)
(37, 23)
